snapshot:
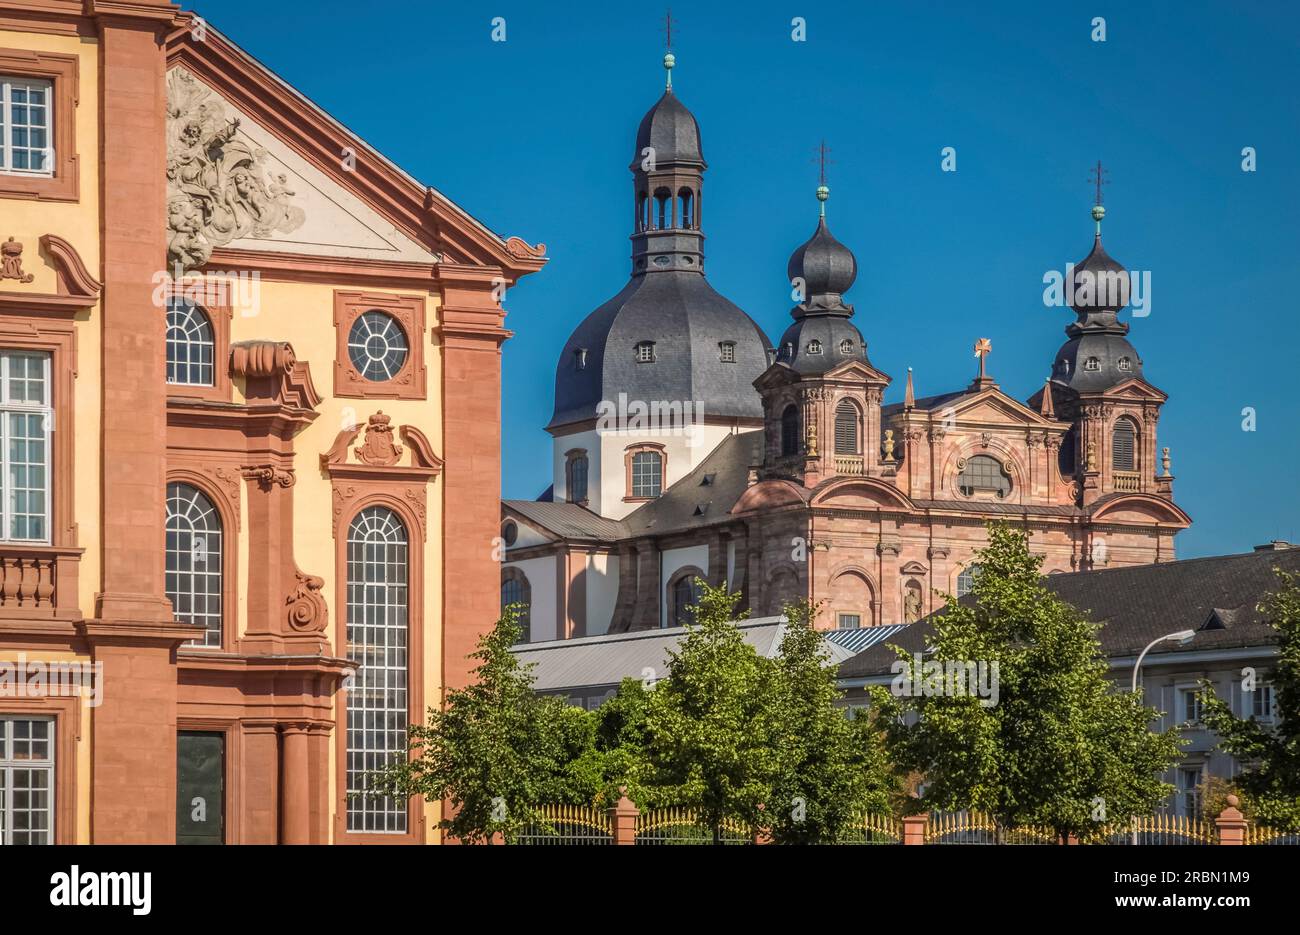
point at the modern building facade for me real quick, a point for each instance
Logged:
(688, 448)
(250, 399)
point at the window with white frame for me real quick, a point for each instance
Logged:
(378, 631)
(1192, 705)
(1189, 791)
(191, 349)
(26, 780)
(1263, 703)
(193, 571)
(26, 126)
(849, 621)
(26, 423)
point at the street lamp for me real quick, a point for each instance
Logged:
(1182, 637)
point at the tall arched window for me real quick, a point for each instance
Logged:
(577, 478)
(377, 614)
(686, 208)
(846, 428)
(194, 577)
(642, 211)
(966, 580)
(515, 589)
(191, 348)
(1123, 445)
(685, 597)
(790, 431)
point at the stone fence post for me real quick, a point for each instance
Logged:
(914, 828)
(622, 818)
(1231, 823)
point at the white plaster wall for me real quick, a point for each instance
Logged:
(540, 573)
(602, 592)
(607, 468)
(670, 560)
(528, 535)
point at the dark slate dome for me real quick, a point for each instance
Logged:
(688, 321)
(670, 129)
(1093, 362)
(1093, 273)
(826, 266)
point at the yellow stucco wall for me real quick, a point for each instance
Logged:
(78, 223)
(303, 315)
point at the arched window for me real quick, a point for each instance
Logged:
(515, 589)
(663, 208)
(966, 580)
(378, 639)
(647, 480)
(685, 597)
(846, 347)
(578, 478)
(686, 208)
(1123, 445)
(846, 428)
(191, 349)
(194, 576)
(642, 211)
(790, 432)
(982, 473)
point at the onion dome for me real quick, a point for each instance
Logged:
(822, 336)
(1098, 354)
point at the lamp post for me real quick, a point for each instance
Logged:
(1182, 637)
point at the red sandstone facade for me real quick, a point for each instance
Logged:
(272, 689)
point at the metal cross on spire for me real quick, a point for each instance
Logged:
(1098, 178)
(669, 59)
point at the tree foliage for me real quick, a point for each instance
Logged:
(1059, 747)
(1271, 752)
(497, 750)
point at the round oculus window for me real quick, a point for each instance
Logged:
(510, 533)
(377, 346)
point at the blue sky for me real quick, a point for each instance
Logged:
(533, 136)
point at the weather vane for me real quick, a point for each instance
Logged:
(668, 30)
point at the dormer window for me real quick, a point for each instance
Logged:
(645, 352)
(846, 347)
(727, 352)
(580, 358)
(814, 347)
(787, 350)
(1125, 364)
(1092, 363)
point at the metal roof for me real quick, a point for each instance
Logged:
(596, 661)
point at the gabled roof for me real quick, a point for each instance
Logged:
(1141, 603)
(703, 497)
(420, 211)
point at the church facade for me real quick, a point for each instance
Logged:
(250, 404)
(687, 447)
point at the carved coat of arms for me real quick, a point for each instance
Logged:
(219, 188)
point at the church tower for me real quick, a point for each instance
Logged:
(655, 378)
(821, 396)
(1097, 384)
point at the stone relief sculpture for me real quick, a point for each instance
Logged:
(219, 187)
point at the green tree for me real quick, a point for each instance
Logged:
(496, 750)
(1271, 752)
(831, 765)
(1051, 743)
(708, 736)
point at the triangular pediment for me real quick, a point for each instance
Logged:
(356, 204)
(857, 370)
(247, 189)
(1134, 388)
(992, 406)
